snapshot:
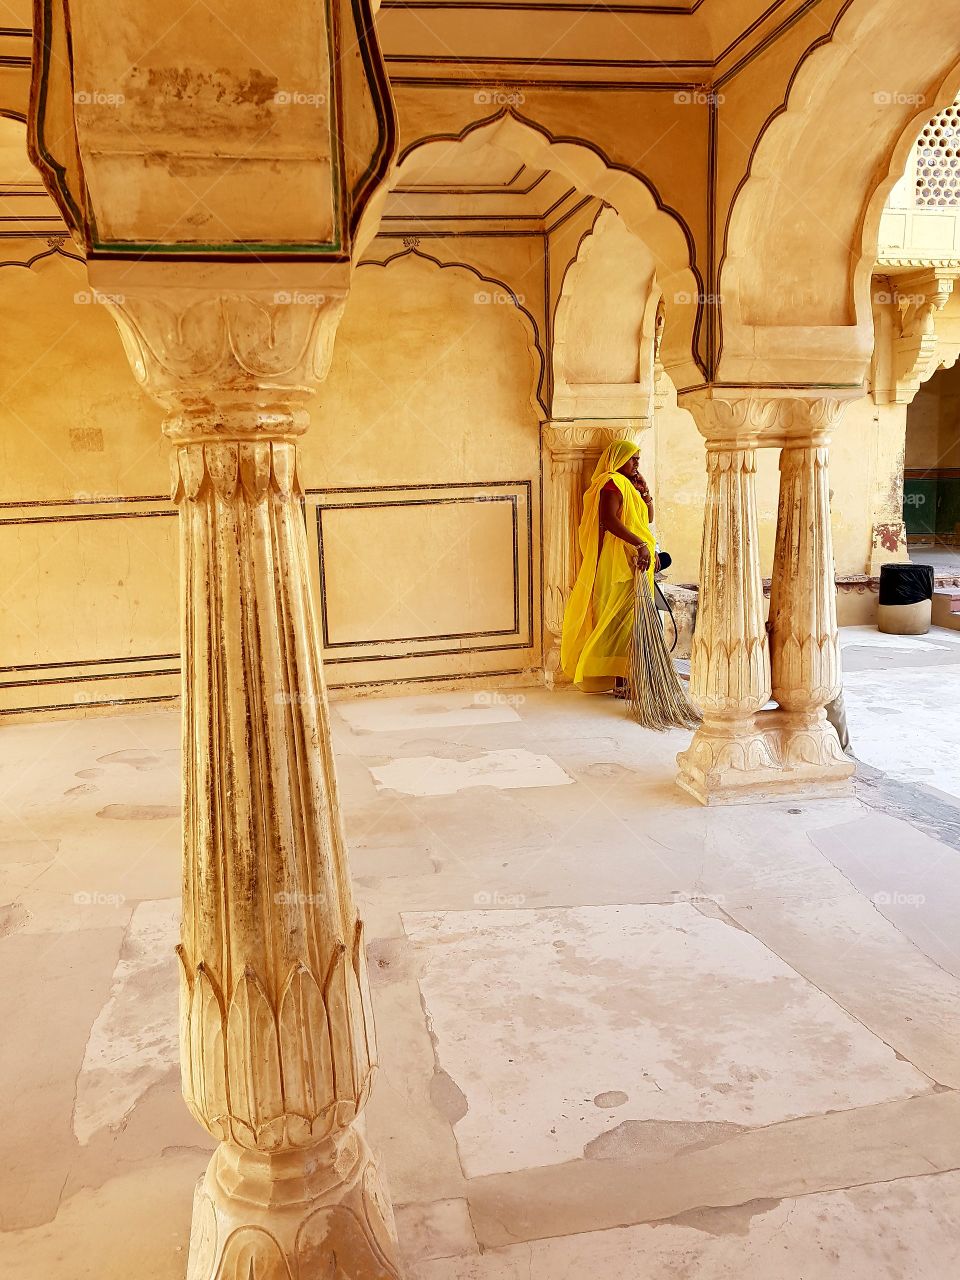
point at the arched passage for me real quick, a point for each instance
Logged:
(799, 240)
(668, 241)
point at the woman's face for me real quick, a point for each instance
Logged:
(630, 467)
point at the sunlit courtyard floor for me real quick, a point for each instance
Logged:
(622, 1036)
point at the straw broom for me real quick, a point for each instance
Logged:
(657, 699)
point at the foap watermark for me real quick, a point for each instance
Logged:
(297, 298)
(897, 899)
(895, 298)
(494, 898)
(94, 297)
(499, 98)
(295, 98)
(292, 898)
(683, 298)
(894, 98)
(696, 899)
(698, 98)
(491, 698)
(914, 499)
(98, 98)
(497, 297)
(287, 699)
(98, 898)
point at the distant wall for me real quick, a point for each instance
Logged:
(88, 596)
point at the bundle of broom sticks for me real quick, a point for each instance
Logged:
(657, 699)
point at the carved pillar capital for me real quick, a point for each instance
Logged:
(225, 363)
(584, 436)
(754, 417)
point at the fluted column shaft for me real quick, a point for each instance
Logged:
(730, 665)
(276, 1028)
(805, 644)
(743, 751)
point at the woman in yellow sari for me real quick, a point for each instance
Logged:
(615, 535)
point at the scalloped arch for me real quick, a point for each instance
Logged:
(633, 197)
(607, 332)
(529, 326)
(801, 233)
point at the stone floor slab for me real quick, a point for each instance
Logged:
(901, 1230)
(437, 776)
(444, 711)
(538, 1013)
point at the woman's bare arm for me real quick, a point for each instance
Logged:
(611, 504)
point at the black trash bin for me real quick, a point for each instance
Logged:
(906, 593)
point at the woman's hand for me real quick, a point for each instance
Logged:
(642, 559)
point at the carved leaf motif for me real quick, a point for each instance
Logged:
(284, 459)
(337, 1001)
(305, 1054)
(255, 469)
(368, 1046)
(253, 1061)
(222, 466)
(207, 1055)
(192, 469)
(252, 1253)
(269, 339)
(186, 1057)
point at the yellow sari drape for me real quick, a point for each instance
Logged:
(598, 619)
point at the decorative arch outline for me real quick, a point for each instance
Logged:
(415, 251)
(807, 89)
(673, 246)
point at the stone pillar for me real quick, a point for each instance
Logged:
(571, 452)
(729, 757)
(276, 1029)
(743, 752)
(805, 645)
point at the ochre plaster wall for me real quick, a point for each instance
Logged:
(423, 454)
(87, 531)
(424, 462)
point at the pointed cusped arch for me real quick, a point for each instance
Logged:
(634, 198)
(493, 290)
(532, 333)
(604, 325)
(800, 236)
